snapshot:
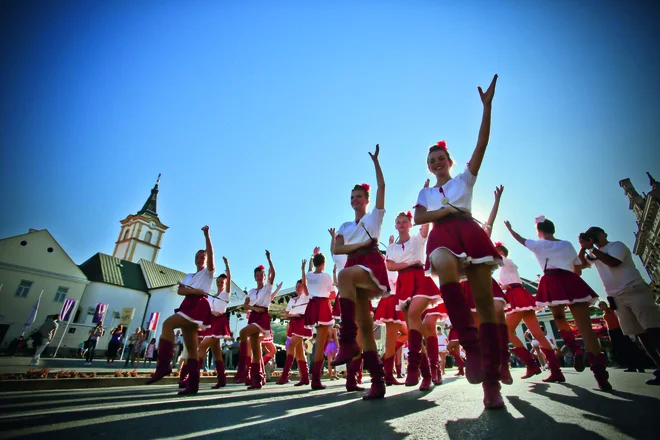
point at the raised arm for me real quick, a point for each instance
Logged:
(277, 290)
(515, 235)
(380, 180)
(271, 269)
(210, 261)
(424, 230)
(484, 131)
(334, 276)
(304, 278)
(228, 273)
(493, 212)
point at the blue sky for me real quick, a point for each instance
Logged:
(260, 116)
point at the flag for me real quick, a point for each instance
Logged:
(99, 314)
(67, 308)
(153, 321)
(33, 315)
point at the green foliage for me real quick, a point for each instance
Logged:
(279, 333)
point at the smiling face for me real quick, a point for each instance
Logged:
(439, 163)
(359, 200)
(200, 259)
(402, 223)
(220, 282)
(259, 276)
(299, 288)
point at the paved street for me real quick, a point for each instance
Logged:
(452, 410)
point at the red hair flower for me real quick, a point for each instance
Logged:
(261, 267)
(366, 186)
(409, 215)
(498, 244)
(442, 145)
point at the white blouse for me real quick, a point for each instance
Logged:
(411, 252)
(554, 254)
(319, 284)
(355, 232)
(457, 191)
(219, 305)
(297, 305)
(202, 280)
(261, 297)
(509, 273)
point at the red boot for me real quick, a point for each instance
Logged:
(597, 362)
(434, 361)
(358, 376)
(490, 347)
(284, 378)
(526, 357)
(263, 373)
(414, 357)
(222, 376)
(248, 371)
(317, 371)
(242, 367)
(304, 374)
(555, 368)
(375, 368)
(163, 367)
(505, 374)
(256, 376)
(575, 347)
(348, 347)
(425, 371)
(468, 335)
(456, 354)
(351, 375)
(388, 364)
(397, 367)
(193, 379)
(183, 376)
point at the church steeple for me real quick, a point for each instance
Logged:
(150, 206)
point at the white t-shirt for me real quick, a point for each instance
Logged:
(558, 254)
(319, 284)
(354, 232)
(411, 252)
(297, 305)
(458, 190)
(509, 273)
(392, 276)
(617, 279)
(202, 280)
(219, 305)
(261, 297)
(340, 261)
(442, 341)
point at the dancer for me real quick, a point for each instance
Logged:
(415, 293)
(257, 303)
(297, 332)
(331, 349)
(318, 285)
(194, 313)
(219, 326)
(561, 286)
(454, 348)
(442, 349)
(458, 246)
(429, 326)
(363, 278)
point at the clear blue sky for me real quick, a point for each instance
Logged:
(260, 116)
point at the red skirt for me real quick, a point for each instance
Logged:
(297, 328)
(414, 282)
(498, 295)
(336, 308)
(196, 308)
(386, 311)
(261, 320)
(453, 335)
(438, 310)
(318, 312)
(463, 237)
(560, 286)
(219, 327)
(371, 261)
(519, 299)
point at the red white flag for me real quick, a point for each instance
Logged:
(153, 321)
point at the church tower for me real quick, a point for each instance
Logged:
(141, 233)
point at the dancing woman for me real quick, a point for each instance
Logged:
(297, 332)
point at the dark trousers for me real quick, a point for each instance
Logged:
(625, 352)
(91, 349)
(129, 352)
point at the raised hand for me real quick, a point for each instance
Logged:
(391, 239)
(316, 250)
(487, 96)
(279, 285)
(304, 263)
(374, 156)
(224, 259)
(332, 232)
(268, 254)
(507, 223)
(498, 192)
(427, 183)
(206, 230)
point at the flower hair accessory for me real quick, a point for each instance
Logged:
(261, 267)
(442, 145)
(540, 219)
(409, 215)
(498, 244)
(366, 186)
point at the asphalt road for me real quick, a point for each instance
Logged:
(453, 410)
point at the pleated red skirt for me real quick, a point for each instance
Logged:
(559, 286)
(196, 308)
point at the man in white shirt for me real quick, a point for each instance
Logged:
(629, 295)
(45, 334)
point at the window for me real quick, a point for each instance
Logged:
(23, 288)
(147, 237)
(126, 234)
(61, 294)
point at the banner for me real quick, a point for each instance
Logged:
(33, 314)
(126, 316)
(67, 308)
(153, 321)
(99, 314)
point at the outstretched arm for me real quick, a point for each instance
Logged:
(304, 278)
(271, 269)
(380, 180)
(424, 230)
(493, 212)
(277, 290)
(228, 273)
(334, 276)
(515, 235)
(210, 262)
(484, 131)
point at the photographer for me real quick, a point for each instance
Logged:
(627, 293)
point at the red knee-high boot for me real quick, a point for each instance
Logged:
(242, 367)
(375, 368)
(505, 374)
(397, 367)
(425, 371)
(359, 371)
(414, 357)
(388, 365)
(597, 362)
(456, 354)
(304, 374)
(348, 347)
(351, 375)
(222, 376)
(193, 378)
(555, 368)
(526, 357)
(183, 375)
(163, 367)
(468, 335)
(575, 347)
(284, 378)
(248, 369)
(490, 347)
(434, 359)
(262, 366)
(256, 376)
(317, 371)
